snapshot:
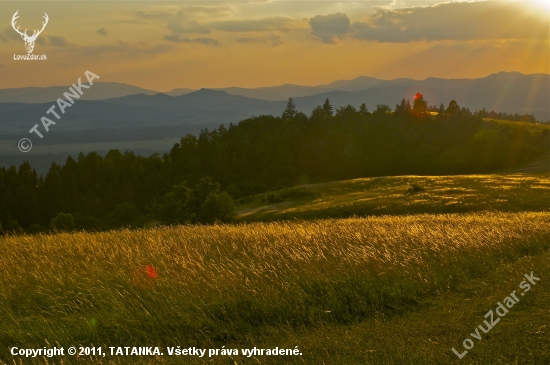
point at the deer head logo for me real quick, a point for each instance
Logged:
(29, 40)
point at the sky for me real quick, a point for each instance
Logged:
(203, 44)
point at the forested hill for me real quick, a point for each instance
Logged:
(197, 180)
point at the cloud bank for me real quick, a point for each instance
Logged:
(447, 21)
(330, 28)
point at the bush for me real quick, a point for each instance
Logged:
(88, 222)
(10, 225)
(415, 188)
(204, 203)
(218, 207)
(275, 198)
(63, 222)
(246, 200)
(176, 207)
(297, 193)
(292, 193)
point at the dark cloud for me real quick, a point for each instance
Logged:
(256, 25)
(178, 38)
(183, 24)
(8, 34)
(58, 41)
(43, 40)
(274, 39)
(330, 28)
(102, 31)
(453, 21)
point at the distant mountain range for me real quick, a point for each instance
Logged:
(503, 92)
(114, 115)
(490, 92)
(100, 90)
(206, 107)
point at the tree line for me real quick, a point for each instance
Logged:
(201, 177)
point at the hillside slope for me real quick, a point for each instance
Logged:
(402, 195)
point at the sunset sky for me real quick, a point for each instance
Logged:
(166, 45)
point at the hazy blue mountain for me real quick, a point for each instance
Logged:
(405, 87)
(277, 93)
(203, 107)
(100, 90)
(495, 91)
(361, 83)
(502, 92)
(180, 92)
(201, 103)
(511, 93)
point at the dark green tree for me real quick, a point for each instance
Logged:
(318, 114)
(441, 111)
(290, 111)
(466, 112)
(453, 109)
(420, 106)
(176, 205)
(346, 111)
(123, 215)
(382, 109)
(218, 207)
(63, 222)
(328, 107)
(401, 108)
(201, 190)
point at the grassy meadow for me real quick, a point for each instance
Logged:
(531, 127)
(374, 290)
(513, 192)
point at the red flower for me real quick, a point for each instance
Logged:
(151, 271)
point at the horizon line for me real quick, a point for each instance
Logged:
(286, 84)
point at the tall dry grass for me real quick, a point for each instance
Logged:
(210, 284)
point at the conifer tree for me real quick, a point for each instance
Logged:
(328, 107)
(290, 111)
(420, 105)
(453, 109)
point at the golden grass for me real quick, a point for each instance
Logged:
(390, 195)
(225, 282)
(202, 253)
(531, 127)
